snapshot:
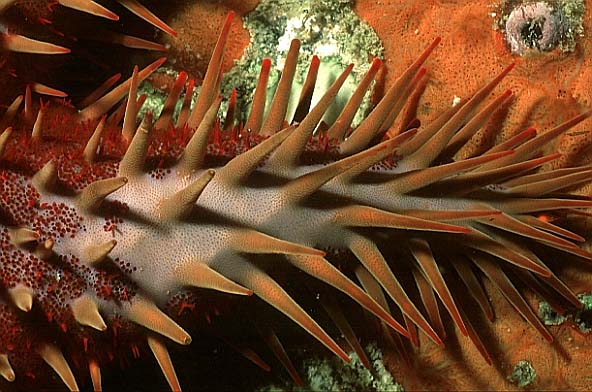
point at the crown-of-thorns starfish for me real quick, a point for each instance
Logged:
(105, 239)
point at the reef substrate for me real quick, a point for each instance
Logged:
(118, 238)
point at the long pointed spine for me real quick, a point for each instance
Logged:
(279, 104)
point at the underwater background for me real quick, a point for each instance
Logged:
(547, 41)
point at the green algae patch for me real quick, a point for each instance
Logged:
(329, 29)
(548, 315)
(580, 318)
(332, 374)
(583, 317)
(523, 374)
